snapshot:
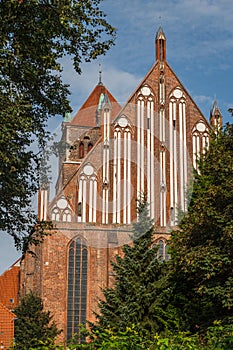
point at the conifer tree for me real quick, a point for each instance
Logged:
(202, 247)
(131, 300)
(34, 328)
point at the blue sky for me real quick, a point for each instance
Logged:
(199, 49)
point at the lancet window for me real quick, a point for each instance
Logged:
(56, 214)
(162, 253)
(200, 137)
(87, 195)
(76, 288)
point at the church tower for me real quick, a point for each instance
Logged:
(215, 117)
(150, 145)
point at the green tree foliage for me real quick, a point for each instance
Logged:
(34, 36)
(202, 246)
(218, 337)
(34, 327)
(130, 301)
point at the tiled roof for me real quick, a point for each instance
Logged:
(6, 326)
(9, 286)
(86, 116)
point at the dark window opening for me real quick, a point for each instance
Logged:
(81, 150)
(163, 251)
(148, 123)
(79, 209)
(89, 147)
(77, 289)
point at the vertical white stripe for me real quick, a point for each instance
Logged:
(185, 156)
(181, 157)
(164, 192)
(152, 177)
(198, 147)
(148, 157)
(103, 190)
(138, 146)
(114, 176)
(194, 152)
(171, 160)
(129, 179)
(162, 170)
(161, 193)
(90, 200)
(94, 200)
(45, 204)
(198, 151)
(125, 180)
(142, 147)
(84, 219)
(175, 167)
(118, 177)
(106, 207)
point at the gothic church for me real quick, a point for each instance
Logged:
(150, 145)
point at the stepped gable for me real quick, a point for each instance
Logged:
(86, 116)
(9, 286)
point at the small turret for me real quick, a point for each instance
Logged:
(160, 45)
(215, 117)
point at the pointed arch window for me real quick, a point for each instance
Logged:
(163, 253)
(56, 214)
(89, 146)
(77, 288)
(200, 138)
(66, 215)
(81, 150)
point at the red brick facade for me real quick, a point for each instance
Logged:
(149, 145)
(9, 290)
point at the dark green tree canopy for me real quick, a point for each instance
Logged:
(138, 277)
(34, 36)
(34, 327)
(202, 247)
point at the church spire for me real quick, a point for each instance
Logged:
(215, 116)
(160, 44)
(100, 75)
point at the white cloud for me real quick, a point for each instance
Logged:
(119, 83)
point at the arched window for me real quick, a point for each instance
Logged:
(162, 253)
(89, 147)
(160, 250)
(56, 214)
(81, 150)
(66, 215)
(77, 288)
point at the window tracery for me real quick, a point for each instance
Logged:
(200, 138)
(56, 214)
(162, 253)
(76, 287)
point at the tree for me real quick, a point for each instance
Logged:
(34, 36)
(34, 327)
(138, 277)
(202, 246)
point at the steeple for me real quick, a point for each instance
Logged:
(215, 116)
(160, 45)
(100, 75)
